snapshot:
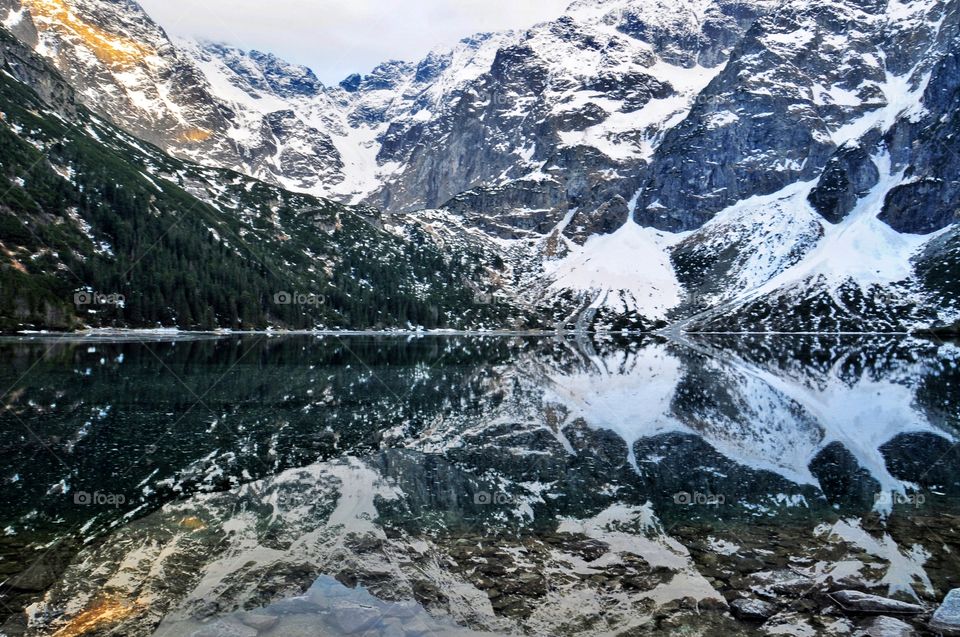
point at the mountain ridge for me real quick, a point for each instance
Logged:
(709, 164)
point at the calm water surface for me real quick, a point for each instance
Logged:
(256, 485)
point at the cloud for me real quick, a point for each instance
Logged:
(336, 38)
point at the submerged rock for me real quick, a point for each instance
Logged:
(792, 623)
(860, 602)
(946, 619)
(354, 618)
(752, 609)
(225, 628)
(772, 584)
(261, 622)
(885, 627)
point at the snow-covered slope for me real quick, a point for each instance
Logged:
(626, 271)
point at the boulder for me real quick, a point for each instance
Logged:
(859, 602)
(946, 619)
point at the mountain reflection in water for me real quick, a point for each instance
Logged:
(545, 484)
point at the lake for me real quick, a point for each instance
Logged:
(479, 485)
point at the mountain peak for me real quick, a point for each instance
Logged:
(266, 72)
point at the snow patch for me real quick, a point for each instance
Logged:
(633, 261)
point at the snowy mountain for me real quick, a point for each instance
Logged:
(708, 164)
(99, 229)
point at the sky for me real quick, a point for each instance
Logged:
(339, 37)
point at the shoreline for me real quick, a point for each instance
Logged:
(171, 334)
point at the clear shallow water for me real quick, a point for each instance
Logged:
(326, 608)
(558, 486)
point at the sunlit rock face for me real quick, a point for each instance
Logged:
(124, 67)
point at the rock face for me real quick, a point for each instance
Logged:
(32, 70)
(946, 619)
(924, 145)
(125, 68)
(525, 104)
(849, 175)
